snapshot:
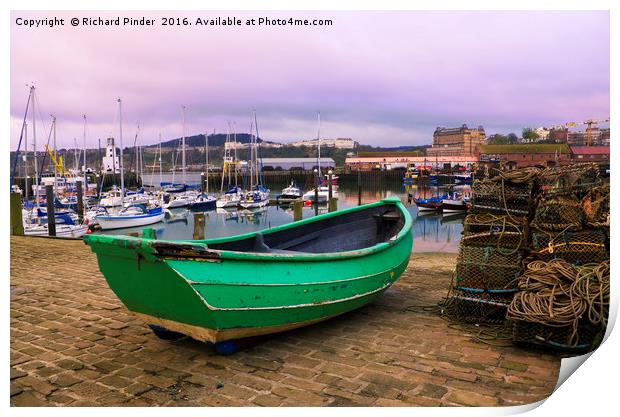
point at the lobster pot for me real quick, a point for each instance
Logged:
(502, 231)
(588, 336)
(595, 206)
(502, 197)
(492, 269)
(477, 306)
(576, 179)
(558, 213)
(577, 248)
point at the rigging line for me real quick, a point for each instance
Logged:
(49, 137)
(21, 136)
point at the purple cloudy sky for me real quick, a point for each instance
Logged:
(382, 78)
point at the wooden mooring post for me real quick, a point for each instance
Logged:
(329, 186)
(359, 187)
(199, 226)
(17, 223)
(80, 201)
(298, 210)
(333, 204)
(51, 219)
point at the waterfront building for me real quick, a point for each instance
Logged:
(460, 141)
(525, 155)
(386, 161)
(286, 164)
(598, 154)
(110, 162)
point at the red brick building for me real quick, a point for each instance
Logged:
(598, 154)
(525, 155)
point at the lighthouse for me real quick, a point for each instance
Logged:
(110, 162)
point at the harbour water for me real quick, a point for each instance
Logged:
(432, 232)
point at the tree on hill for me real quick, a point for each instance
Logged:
(529, 134)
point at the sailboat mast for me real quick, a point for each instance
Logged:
(84, 147)
(207, 158)
(34, 148)
(252, 155)
(75, 154)
(235, 150)
(120, 137)
(183, 147)
(259, 179)
(160, 171)
(136, 150)
(319, 145)
(55, 153)
(26, 160)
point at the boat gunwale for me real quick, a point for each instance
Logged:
(209, 255)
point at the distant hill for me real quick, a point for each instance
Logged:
(217, 139)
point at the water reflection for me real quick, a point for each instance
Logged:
(432, 232)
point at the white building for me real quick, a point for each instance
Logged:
(542, 132)
(340, 143)
(110, 161)
(286, 164)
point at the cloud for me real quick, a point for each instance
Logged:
(378, 77)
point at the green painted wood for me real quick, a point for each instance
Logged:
(249, 289)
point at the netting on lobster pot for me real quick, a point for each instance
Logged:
(576, 179)
(560, 305)
(577, 248)
(502, 197)
(558, 213)
(559, 338)
(477, 306)
(501, 231)
(596, 206)
(494, 270)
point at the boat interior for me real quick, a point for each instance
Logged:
(347, 232)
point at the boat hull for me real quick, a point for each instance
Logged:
(235, 295)
(203, 205)
(76, 231)
(118, 222)
(448, 206)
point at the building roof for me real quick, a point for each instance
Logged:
(394, 154)
(411, 159)
(526, 148)
(444, 131)
(590, 150)
(266, 161)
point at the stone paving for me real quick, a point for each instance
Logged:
(73, 343)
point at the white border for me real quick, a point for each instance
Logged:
(589, 392)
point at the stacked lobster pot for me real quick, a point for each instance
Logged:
(571, 219)
(569, 238)
(492, 248)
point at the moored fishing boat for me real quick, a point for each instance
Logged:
(429, 204)
(290, 193)
(456, 203)
(262, 282)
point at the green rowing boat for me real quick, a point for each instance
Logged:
(262, 282)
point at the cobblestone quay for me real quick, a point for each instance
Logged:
(73, 343)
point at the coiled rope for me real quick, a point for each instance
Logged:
(558, 294)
